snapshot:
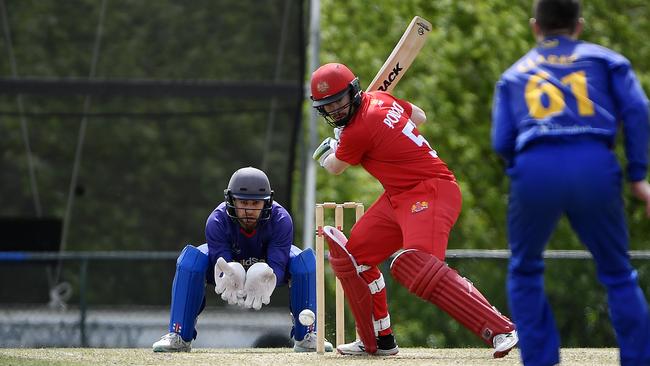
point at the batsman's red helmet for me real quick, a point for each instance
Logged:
(330, 82)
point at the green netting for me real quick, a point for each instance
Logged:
(181, 95)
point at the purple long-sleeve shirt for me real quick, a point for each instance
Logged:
(270, 242)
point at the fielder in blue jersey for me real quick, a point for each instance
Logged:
(249, 252)
(555, 116)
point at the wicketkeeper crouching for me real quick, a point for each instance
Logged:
(249, 252)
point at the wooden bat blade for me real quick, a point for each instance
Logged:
(402, 56)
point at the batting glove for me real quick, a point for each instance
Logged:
(260, 283)
(337, 133)
(325, 149)
(229, 281)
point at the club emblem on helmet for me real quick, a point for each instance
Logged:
(419, 206)
(323, 86)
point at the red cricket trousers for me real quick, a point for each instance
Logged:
(420, 218)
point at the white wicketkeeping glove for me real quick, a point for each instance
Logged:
(229, 281)
(260, 283)
(325, 149)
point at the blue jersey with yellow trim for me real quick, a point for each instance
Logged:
(566, 87)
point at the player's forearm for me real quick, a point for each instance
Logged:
(417, 115)
(503, 144)
(218, 249)
(277, 254)
(504, 133)
(633, 110)
(637, 133)
(333, 165)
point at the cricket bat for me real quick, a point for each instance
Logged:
(402, 56)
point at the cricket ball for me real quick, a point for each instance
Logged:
(307, 317)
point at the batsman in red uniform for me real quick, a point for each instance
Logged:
(419, 206)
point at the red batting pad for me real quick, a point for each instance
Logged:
(432, 280)
(356, 289)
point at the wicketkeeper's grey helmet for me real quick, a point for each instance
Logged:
(249, 184)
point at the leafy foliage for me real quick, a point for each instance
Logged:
(152, 169)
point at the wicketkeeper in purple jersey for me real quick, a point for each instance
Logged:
(249, 252)
(556, 114)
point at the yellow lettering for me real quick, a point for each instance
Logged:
(530, 63)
